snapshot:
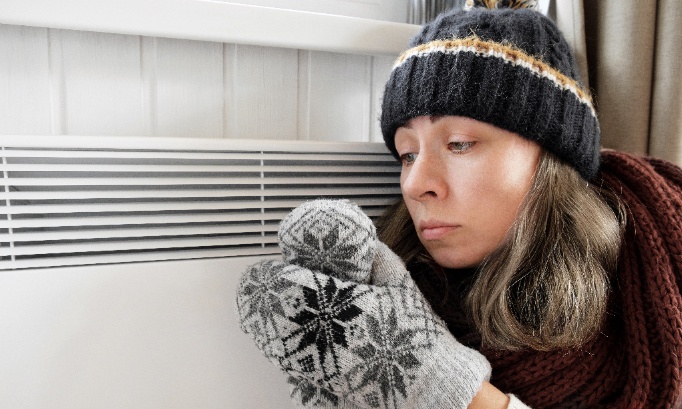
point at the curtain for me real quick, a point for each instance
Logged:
(632, 53)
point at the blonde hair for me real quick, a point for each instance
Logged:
(546, 286)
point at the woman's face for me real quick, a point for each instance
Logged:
(463, 182)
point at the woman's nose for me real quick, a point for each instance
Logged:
(424, 179)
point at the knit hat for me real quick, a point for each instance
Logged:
(507, 65)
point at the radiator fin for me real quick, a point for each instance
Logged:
(102, 201)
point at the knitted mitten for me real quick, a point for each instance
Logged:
(304, 394)
(377, 344)
(328, 237)
(332, 237)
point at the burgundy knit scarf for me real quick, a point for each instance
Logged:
(636, 361)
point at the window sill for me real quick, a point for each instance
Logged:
(208, 20)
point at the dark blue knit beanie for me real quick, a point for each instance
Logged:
(505, 66)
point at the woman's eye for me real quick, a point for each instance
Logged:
(460, 147)
(408, 158)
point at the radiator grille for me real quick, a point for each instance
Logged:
(76, 201)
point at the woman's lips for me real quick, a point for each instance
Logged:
(436, 231)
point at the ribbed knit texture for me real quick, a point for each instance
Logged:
(509, 68)
(636, 362)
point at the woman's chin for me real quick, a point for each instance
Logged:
(446, 259)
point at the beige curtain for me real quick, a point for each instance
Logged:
(632, 51)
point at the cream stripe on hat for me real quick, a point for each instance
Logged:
(496, 50)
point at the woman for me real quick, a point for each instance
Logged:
(500, 152)
(561, 265)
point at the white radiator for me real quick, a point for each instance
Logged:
(79, 201)
(121, 258)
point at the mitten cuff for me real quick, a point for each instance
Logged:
(457, 374)
(515, 403)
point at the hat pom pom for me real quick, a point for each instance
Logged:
(501, 4)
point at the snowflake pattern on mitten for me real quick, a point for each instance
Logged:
(261, 313)
(342, 336)
(308, 395)
(330, 236)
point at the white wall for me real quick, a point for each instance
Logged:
(65, 82)
(155, 335)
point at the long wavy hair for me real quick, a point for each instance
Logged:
(546, 286)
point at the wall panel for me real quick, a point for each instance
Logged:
(338, 97)
(67, 82)
(24, 80)
(261, 92)
(189, 88)
(381, 68)
(102, 83)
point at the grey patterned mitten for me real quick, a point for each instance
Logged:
(332, 237)
(376, 344)
(305, 394)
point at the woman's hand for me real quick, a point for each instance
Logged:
(372, 345)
